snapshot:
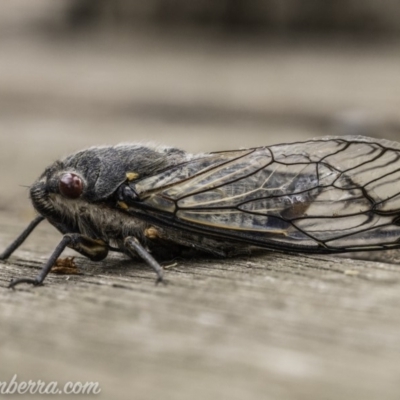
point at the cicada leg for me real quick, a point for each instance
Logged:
(94, 249)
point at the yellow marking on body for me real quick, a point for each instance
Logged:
(151, 233)
(131, 176)
(122, 205)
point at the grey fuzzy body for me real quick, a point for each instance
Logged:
(102, 169)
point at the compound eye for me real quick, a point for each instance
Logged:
(70, 185)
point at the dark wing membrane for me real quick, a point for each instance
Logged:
(329, 194)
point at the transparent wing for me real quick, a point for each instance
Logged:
(329, 194)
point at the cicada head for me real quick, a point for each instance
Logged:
(56, 194)
(79, 193)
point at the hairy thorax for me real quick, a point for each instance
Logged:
(96, 220)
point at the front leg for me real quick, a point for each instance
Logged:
(94, 249)
(21, 238)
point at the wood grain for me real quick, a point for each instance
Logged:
(272, 325)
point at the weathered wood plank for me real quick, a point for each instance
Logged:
(268, 326)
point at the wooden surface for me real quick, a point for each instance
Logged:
(270, 326)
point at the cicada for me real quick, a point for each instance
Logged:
(324, 195)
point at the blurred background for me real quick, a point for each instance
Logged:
(201, 75)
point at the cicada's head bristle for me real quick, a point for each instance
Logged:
(40, 198)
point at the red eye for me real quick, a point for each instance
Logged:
(70, 185)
